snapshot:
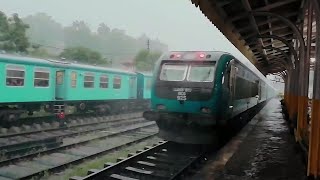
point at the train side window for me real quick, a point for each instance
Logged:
(88, 80)
(226, 75)
(232, 71)
(15, 75)
(104, 81)
(41, 77)
(117, 82)
(59, 77)
(73, 79)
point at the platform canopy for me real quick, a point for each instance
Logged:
(259, 28)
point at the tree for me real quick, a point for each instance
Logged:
(40, 52)
(79, 34)
(85, 55)
(103, 29)
(18, 33)
(4, 27)
(145, 60)
(44, 30)
(52, 37)
(13, 34)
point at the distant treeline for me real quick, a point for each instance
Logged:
(40, 35)
(111, 43)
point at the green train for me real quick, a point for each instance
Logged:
(196, 94)
(27, 84)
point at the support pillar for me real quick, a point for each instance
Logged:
(302, 125)
(294, 96)
(314, 137)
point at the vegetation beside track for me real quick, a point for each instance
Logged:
(97, 163)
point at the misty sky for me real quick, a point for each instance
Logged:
(177, 23)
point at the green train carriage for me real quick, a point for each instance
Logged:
(84, 85)
(24, 83)
(27, 83)
(195, 93)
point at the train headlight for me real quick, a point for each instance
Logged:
(161, 107)
(205, 110)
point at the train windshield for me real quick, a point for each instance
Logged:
(201, 73)
(191, 72)
(173, 72)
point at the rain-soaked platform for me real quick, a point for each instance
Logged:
(264, 149)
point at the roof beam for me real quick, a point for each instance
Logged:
(225, 2)
(272, 19)
(273, 29)
(246, 14)
(281, 35)
(274, 5)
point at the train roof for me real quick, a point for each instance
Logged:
(13, 58)
(56, 63)
(216, 55)
(98, 68)
(149, 74)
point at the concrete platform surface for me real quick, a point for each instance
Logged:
(264, 149)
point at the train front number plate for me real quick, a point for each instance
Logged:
(182, 93)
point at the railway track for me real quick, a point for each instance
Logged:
(36, 165)
(42, 119)
(13, 145)
(13, 152)
(49, 124)
(165, 160)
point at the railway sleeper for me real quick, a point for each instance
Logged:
(150, 173)
(13, 150)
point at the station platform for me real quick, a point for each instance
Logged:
(264, 149)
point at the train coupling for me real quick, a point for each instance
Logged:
(150, 115)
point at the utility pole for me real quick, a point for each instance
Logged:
(148, 45)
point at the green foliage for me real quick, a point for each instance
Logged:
(114, 43)
(40, 53)
(4, 27)
(145, 60)
(13, 34)
(85, 55)
(44, 30)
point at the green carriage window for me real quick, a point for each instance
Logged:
(104, 81)
(15, 75)
(59, 77)
(117, 82)
(73, 79)
(41, 77)
(88, 80)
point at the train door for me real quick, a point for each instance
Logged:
(60, 84)
(133, 87)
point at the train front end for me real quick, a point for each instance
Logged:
(183, 97)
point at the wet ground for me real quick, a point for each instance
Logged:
(264, 150)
